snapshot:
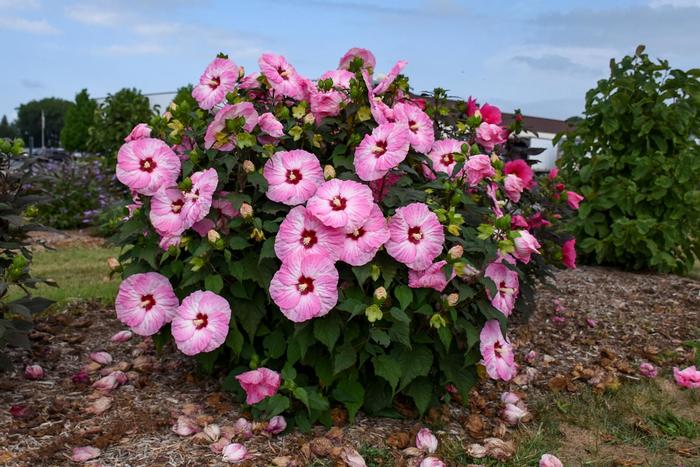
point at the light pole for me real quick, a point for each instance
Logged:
(43, 127)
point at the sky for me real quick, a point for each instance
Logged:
(537, 55)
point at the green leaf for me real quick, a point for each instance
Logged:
(404, 295)
(388, 368)
(352, 395)
(214, 283)
(327, 330)
(421, 391)
(345, 357)
(413, 363)
(274, 405)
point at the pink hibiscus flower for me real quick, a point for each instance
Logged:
(536, 221)
(343, 204)
(146, 302)
(218, 79)
(146, 165)
(514, 186)
(507, 287)
(518, 222)
(166, 213)
(471, 106)
(416, 236)
(201, 322)
(259, 384)
(688, 378)
(328, 103)
(217, 136)
(390, 77)
(140, 131)
(525, 245)
(199, 198)
(368, 60)
(381, 151)
(270, 125)
(491, 192)
(443, 155)
(305, 287)
(497, 352)
(362, 244)
(282, 76)
(478, 168)
(568, 253)
(490, 114)
(549, 460)
(302, 233)
(522, 169)
(433, 277)
(573, 199)
(421, 134)
(292, 176)
(489, 135)
(166, 241)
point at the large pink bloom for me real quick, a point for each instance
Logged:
(292, 176)
(217, 135)
(573, 199)
(496, 352)
(218, 79)
(327, 103)
(568, 253)
(282, 76)
(140, 131)
(368, 60)
(443, 155)
(507, 287)
(145, 165)
(344, 204)
(381, 151)
(416, 236)
(199, 198)
(478, 168)
(522, 169)
(259, 384)
(489, 135)
(490, 114)
(146, 302)
(432, 277)
(421, 134)
(201, 322)
(514, 186)
(390, 77)
(525, 245)
(362, 244)
(305, 287)
(167, 214)
(302, 233)
(269, 124)
(688, 378)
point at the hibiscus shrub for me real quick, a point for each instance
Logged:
(325, 244)
(636, 158)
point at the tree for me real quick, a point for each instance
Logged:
(635, 157)
(115, 118)
(6, 130)
(79, 119)
(29, 120)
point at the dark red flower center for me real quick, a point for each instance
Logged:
(305, 285)
(283, 73)
(356, 234)
(293, 176)
(413, 126)
(379, 148)
(201, 320)
(176, 206)
(338, 203)
(148, 302)
(215, 82)
(415, 235)
(497, 349)
(308, 238)
(448, 159)
(148, 165)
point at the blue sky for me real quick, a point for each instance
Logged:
(539, 55)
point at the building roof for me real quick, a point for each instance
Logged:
(539, 124)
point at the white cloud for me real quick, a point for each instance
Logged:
(27, 25)
(19, 4)
(132, 49)
(675, 3)
(570, 59)
(94, 14)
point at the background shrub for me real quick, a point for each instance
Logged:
(636, 159)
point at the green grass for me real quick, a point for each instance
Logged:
(80, 273)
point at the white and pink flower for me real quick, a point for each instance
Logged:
(343, 204)
(145, 165)
(292, 176)
(489, 135)
(416, 236)
(433, 277)
(362, 244)
(198, 198)
(443, 155)
(421, 134)
(478, 168)
(218, 136)
(525, 246)
(140, 131)
(145, 302)
(382, 150)
(302, 233)
(688, 378)
(218, 79)
(201, 322)
(282, 76)
(269, 124)
(496, 351)
(259, 384)
(507, 287)
(166, 212)
(368, 60)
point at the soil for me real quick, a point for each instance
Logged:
(606, 324)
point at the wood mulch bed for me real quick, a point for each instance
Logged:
(606, 323)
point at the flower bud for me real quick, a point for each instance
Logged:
(426, 441)
(241, 73)
(185, 426)
(380, 294)
(113, 263)
(437, 321)
(373, 313)
(212, 431)
(328, 172)
(276, 425)
(34, 372)
(103, 358)
(257, 235)
(246, 211)
(452, 299)
(454, 229)
(456, 252)
(248, 167)
(243, 428)
(235, 453)
(213, 236)
(309, 118)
